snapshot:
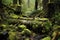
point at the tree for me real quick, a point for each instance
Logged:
(0, 3)
(44, 2)
(36, 4)
(14, 1)
(20, 1)
(18, 8)
(28, 3)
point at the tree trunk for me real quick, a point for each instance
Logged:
(14, 1)
(28, 3)
(45, 5)
(51, 10)
(19, 8)
(36, 4)
(0, 3)
(20, 1)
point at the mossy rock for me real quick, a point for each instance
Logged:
(26, 32)
(12, 35)
(22, 26)
(46, 38)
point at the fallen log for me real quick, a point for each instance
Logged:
(27, 20)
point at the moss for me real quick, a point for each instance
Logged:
(46, 38)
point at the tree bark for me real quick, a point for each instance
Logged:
(19, 8)
(14, 1)
(45, 5)
(20, 1)
(36, 4)
(28, 3)
(1, 4)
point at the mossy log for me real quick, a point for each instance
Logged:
(24, 20)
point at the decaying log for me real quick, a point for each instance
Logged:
(24, 20)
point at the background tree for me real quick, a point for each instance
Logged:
(28, 3)
(36, 4)
(14, 1)
(44, 2)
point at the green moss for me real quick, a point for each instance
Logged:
(46, 38)
(22, 27)
(12, 35)
(14, 16)
(26, 32)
